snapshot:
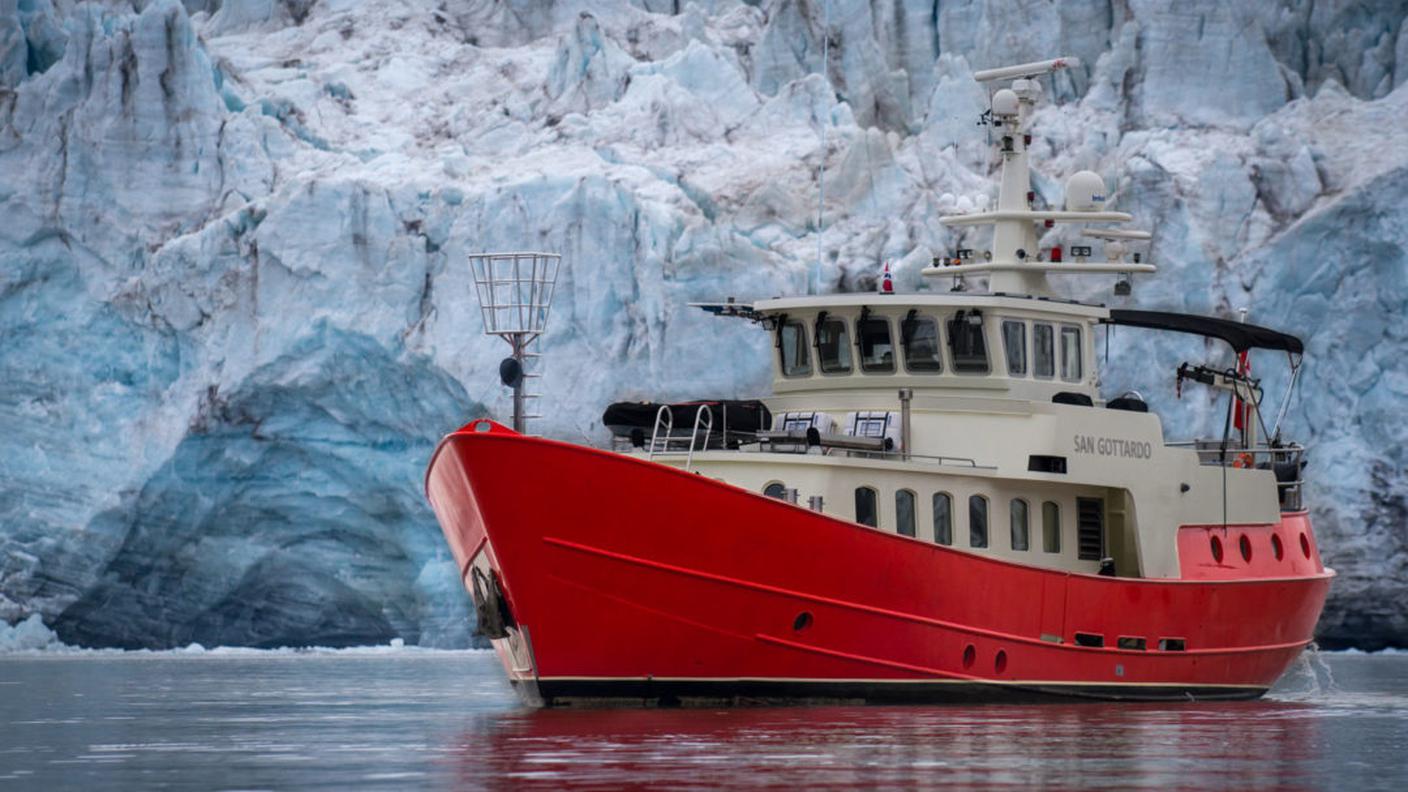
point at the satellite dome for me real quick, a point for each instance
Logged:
(1085, 192)
(1004, 102)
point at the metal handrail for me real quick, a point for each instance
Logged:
(1212, 453)
(1216, 445)
(707, 416)
(942, 459)
(660, 443)
(663, 415)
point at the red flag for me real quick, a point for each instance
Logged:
(1239, 420)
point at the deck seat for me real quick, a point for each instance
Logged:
(799, 421)
(821, 422)
(874, 423)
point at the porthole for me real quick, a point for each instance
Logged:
(970, 655)
(1276, 548)
(1305, 545)
(1245, 545)
(1216, 549)
(776, 490)
(802, 622)
(999, 662)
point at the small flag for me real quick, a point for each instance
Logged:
(887, 283)
(1239, 420)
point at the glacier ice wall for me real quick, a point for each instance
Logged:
(236, 313)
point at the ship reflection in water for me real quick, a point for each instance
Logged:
(448, 720)
(1303, 737)
(1241, 745)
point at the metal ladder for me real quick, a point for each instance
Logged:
(532, 382)
(665, 418)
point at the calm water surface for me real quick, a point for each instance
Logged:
(246, 720)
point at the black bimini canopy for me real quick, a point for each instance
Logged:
(1240, 335)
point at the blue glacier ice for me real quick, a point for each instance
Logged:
(236, 313)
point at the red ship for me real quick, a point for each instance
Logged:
(934, 503)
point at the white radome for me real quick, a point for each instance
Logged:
(1085, 192)
(1004, 102)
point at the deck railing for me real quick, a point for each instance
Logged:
(1285, 461)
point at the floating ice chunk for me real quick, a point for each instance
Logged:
(30, 635)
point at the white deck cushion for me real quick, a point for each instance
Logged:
(801, 421)
(874, 423)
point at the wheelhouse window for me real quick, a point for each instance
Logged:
(1051, 527)
(1019, 524)
(977, 521)
(867, 512)
(904, 512)
(943, 518)
(919, 335)
(833, 346)
(877, 352)
(1014, 342)
(1044, 350)
(792, 345)
(1070, 354)
(967, 343)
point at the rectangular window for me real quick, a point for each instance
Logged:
(877, 353)
(967, 343)
(1051, 527)
(904, 512)
(1014, 341)
(1020, 530)
(793, 346)
(833, 346)
(977, 521)
(1132, 642)
(866, 511)
(1070, 354)
(1090, 529)
(943, 518)
(920, 338)
(1043, 350)
(1045, 463)
(1090, 639)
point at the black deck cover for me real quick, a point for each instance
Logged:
(741, 416)
(1240, 335)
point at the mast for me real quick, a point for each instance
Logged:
(1015, 262)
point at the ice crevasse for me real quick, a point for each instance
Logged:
(236, 313)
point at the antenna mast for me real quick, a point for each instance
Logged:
(515, 292)
(1015, 263)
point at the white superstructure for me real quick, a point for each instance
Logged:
(975, 419)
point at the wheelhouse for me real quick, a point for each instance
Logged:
(1031, 348)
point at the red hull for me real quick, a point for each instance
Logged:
(635, 580)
